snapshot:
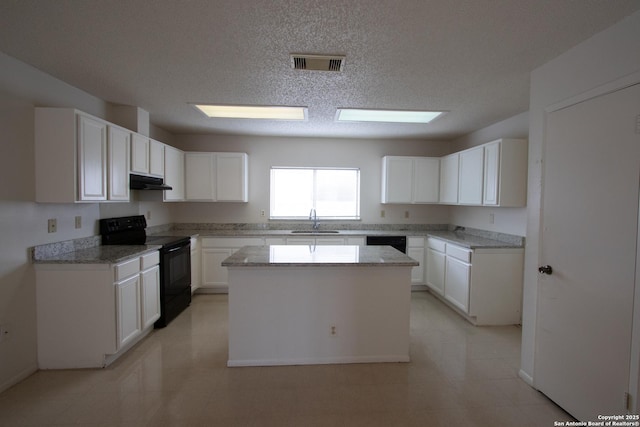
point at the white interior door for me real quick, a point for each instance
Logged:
(590, 217)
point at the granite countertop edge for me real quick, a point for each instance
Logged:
(369, 256)
(459, 238)
(112, 254)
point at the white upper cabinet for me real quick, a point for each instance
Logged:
(156, 158)
(216, 177)
(449, 166)
(118, 150)
(232, 177)
(79, 158)
(505, 173)
(397, 179)
(492, 174)
(147, 156)
(471, 175)
(199, 174)
(174, 174)
(92, 159)
(410, 179)
(140, 154)
(426, 179)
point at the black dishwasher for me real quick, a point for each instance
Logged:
(398, 242)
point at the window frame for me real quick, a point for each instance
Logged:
(314, 200)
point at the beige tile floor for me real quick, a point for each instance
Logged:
(459, 375)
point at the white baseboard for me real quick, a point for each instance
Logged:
(319, 361)
(526, 377)
(24, 374)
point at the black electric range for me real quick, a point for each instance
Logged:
(175, 261)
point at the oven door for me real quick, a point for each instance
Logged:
(176, 269)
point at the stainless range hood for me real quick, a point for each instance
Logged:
(141, 182)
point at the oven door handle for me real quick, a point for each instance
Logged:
(176, 249)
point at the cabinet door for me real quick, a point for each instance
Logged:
(458, 278)
(199, 176)
(150, 290)
(426, 179)
(491, 173)
(140, 154)
(156, 158)
(449, 179)
(397, 179)
(435, 270)
(174, 173)
(471, 176)
(196, 268)
(213, 274)
(92, 159)
(129, 319)
(119, 142)
(417, 273)
(231, 177)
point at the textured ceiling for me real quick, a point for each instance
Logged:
(469, 57)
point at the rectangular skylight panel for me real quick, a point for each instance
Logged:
(253, 112)
(387, 116)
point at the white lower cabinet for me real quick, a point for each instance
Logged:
(215, 277)
(195, 264)
(484, 284)
(150, 296)
(415, 250)
(128, 307)
(436, 259)
(458, 280)
(90, 314)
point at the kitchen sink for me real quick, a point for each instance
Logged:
(315, 232)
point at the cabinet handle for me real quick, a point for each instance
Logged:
(545, 269)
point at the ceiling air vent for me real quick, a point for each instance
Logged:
(301, 61)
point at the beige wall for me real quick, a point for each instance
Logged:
(23, 223)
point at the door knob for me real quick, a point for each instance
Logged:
(545, 269)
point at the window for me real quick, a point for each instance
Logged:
(333, 193)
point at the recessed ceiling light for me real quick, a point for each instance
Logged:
(253, 112)
(388, 116)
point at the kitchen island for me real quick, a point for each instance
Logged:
(298, 305)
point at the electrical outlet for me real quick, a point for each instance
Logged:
(406, 214)
(492, 218)
(78, 221)
(334, 331)
(262, 212)
(148, 215)
(382, 213)
(52, 225)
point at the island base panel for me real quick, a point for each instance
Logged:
(318, 315)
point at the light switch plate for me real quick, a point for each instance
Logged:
(52, 225)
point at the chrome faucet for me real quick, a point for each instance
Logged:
(313, 216)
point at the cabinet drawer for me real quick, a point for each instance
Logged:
(149, 260)
(436, 244)
(126, 269)
(459, 253)
(415, 242)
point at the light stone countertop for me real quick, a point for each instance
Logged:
(318, 256)
(111, 254)
(463, 239)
